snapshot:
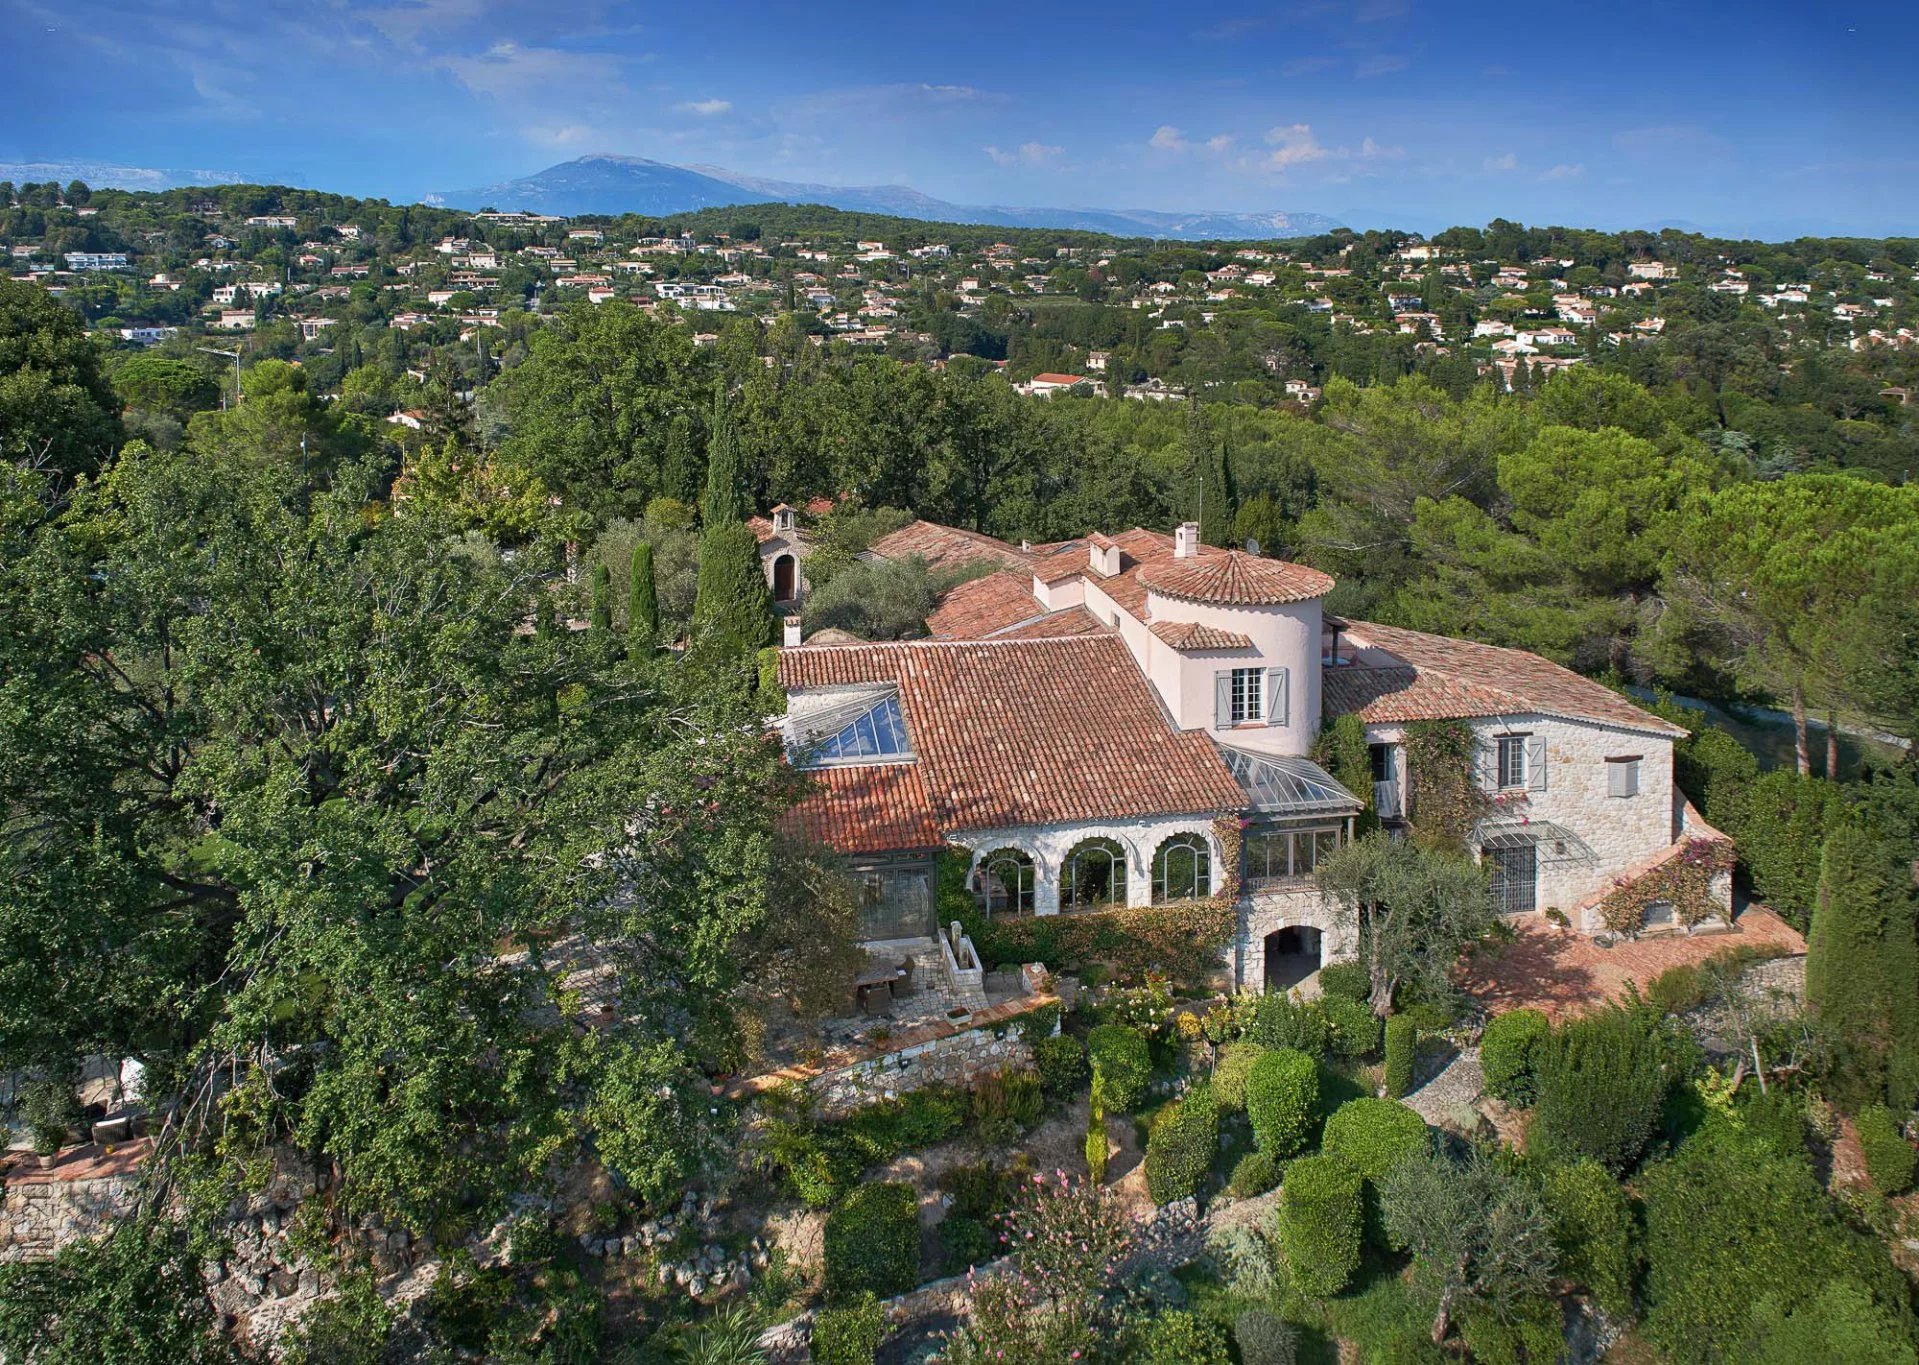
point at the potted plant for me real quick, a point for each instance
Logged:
(47, 1109)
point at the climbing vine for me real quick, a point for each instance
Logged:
(1343, 751)
(1444, 797)
(1683, 880)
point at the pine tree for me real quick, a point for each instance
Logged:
(642, 604)
(602, 617)
(1862, 966)
(732, 606)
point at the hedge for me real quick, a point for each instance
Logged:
(1373, 1136)
(1181, 1338)
(1345, 981)
(873, 1242)
(1120, 1056)
(1320, 1216)
(850, 1335)
(1602, 1085)
(1279, 1021)
(1254, 1174)
(1593, 1231)
(1282, 1097)
(1509, 1055)
(1230, 1071)
(1889, 1157)
(1353, 1025)
(1402, 1050)
(1062, 1064)
(1180, 1148)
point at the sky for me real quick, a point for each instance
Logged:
(1758, 117)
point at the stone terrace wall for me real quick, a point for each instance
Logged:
(85, 1196)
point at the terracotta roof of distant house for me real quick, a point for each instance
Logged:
(1031, 732)
(819, 507)
(1192, 635)
(870, 809)
(945, 547)
(1061, 379)
(1234, 578)
(1436, 678)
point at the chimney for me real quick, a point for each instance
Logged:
(790, 631)
(1186, 540)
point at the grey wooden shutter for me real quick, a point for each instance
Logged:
(1536, 762)
(1278, 696)
(1223, 699)
(1486, 762)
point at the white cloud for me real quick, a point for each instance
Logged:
(1496, 164)
(1293, 145)
(705, 108)
(1026, 154)
(1565, 170)
(507, 71)
(1383, 65)
(1170, 139)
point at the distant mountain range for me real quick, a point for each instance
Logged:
(630, 184)
(107, 175)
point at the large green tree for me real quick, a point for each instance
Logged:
(1862, 963)
(1415, 910)
(57, 410)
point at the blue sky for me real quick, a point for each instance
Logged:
(1732, 117)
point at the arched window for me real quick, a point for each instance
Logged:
(1004, 882)
(1182, 869)
(1094, 876)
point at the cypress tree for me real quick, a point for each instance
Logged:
(680, 476)
(1862, 967)
(642, 603)
(1213, 475)
(602, 617)
(732, 606)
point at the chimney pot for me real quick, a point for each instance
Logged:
(790, 633)
(1186, 540)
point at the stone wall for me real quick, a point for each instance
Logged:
(1267, 909)
(38, 1216)
(958, 1059)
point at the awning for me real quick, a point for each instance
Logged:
(1287, 786)
(1555, 843)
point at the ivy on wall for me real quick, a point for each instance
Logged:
(1443, 792)
(1683, 880)
(1342, 750)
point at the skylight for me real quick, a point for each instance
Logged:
(876, 733)
(1285, 785)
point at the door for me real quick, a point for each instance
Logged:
(785, 575)
(1515, 878)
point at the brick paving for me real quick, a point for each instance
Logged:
(1563, 973)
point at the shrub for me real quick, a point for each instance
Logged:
(1265, 1338)
(1841, 1324)
(1006, 1102)
(1281, 1021)
(1677, 989)
(1120, 1056)
(1353, 1025)
(1282, 1093)
(1254, 1174)
(1509, 1055)
(1345, 981)
(964, 1242)
(1602, 1083)
(1373, 1136)
(1592, 1225)
(1402, 1050)
(1230, 1072)
(849, 1335)
(1889, 1157)
(1180, 1338)
(1062, 1065)
(873, 1242)
(1179, 1150)
(1730, 1222)
(1320, 1216)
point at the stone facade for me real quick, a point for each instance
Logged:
(40, 1216)
(958, 1060)
(1050, 845)
(1268, 910)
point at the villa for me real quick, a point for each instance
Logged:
(1104, 721)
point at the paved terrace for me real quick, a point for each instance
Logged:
(1564, 973)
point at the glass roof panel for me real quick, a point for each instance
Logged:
(878, 732)
(1285, 785)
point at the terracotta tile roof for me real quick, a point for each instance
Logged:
(944, 547)
(869, 809)
(1234, 578)
(1033, 732)
(976, 609)
(1436, 678)
(1192, 635)
(1051, 378)
(1053, 626)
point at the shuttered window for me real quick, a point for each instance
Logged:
(1622, 776)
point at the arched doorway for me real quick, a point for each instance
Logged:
(785, 578)
(1292, 955)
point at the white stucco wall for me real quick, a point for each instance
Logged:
(1283, 637)
(1049, 845)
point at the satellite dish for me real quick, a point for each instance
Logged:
(1252, 545)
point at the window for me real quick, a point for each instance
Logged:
(1283, 853)
(895, 902)
(1094, 876)
(1512, 761)
(1515, 878)
(1622, 776)
(1182, 869)
(1004, 882)
(1249, 695)
(1659, 914)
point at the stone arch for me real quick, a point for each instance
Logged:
(1004, 880)
(1293, 953)
(1095, 874)
(786, 578)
